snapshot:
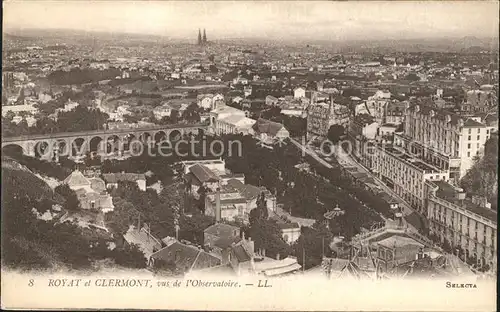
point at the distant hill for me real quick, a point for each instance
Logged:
(72, 35)
(7, 36)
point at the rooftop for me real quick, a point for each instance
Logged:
(119, 177)
(186, 257)
(203, 174)
(222, 230)
(266, 126)
(447, 192)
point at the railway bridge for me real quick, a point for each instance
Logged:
(73, 144)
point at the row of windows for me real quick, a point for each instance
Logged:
(479, 131)
(467, 239)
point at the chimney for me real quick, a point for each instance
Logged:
(217, 206)
(460, 194)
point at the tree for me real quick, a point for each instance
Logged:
(10, 115)
(124, 215)
(412, 77)
(191, 228)
(130, 256)
(267, 236)
(312, 244)
(335, 133)
(71, 199)
(202, 193)
(191, 114)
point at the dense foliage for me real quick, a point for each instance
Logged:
(482, 178)
(29, 243)
(78, 76)
(79, 119)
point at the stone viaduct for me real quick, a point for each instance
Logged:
(73, 144)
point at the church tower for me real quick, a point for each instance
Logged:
(199, 37)
(204, 36)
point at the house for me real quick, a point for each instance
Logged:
(187, 258)
(198, 176)
(91, 192)
(271, 100)
(247, 90)
(18, 109)
(290, 231)
(240, 257)
(237, 99)
(299, 92)
(221, 235)
(240, 80)
(112, 179)
(164, 110)
(205, 100)
(236, 200)
(269, 132)
(225, 242)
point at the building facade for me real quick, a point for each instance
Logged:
(468, 225)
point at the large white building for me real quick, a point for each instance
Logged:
(435, 145)
(226, 119)
(442, 138)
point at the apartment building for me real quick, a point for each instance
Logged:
(321, 116)
(441, 138)
(404, 173)
(467, 224)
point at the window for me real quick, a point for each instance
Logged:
(487, 131)
(469, 138)
(468, 154)
(478, 137)
(470, 131)
(468, 146)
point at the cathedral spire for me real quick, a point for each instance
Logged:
(199, 37)
(204, 36)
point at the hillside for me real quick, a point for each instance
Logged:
(32, 243)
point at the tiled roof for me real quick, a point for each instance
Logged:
(247, 190)
(439, 113)
(121, 177)
(471, 123)
(186, 257)
(448, 193)
(222, 230)
(76, 178)
(226, 242)
(266, 126)
(293, 225)
(203, 174)
(241, 254)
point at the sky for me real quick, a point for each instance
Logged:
(262, 19)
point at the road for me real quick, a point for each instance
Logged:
(350, 161)
(347, 160)
(311, 153)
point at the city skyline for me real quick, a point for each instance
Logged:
(273, 20)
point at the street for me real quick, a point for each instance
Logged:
(346, 160)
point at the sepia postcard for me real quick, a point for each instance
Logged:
(250, 155)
